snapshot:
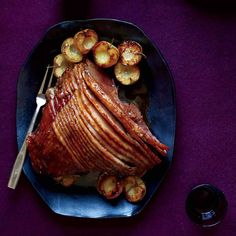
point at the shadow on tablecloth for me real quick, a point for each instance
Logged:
(215, 6)
(74, 9)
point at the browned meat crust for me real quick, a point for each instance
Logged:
(85, 127)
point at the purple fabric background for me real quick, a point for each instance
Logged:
(199, 43)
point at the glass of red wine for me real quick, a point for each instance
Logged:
(206, 205)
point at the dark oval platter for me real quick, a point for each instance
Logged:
(85, 202)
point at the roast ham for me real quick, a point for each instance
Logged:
(85, 127)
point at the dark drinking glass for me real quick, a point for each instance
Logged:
(206, 205)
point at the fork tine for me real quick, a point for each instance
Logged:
(43, 82)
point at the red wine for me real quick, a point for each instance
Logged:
(206, 205)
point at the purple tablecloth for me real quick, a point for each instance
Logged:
(199, 43)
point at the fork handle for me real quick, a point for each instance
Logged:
(17, 168)
(16, 171)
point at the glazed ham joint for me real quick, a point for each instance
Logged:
(85, 127)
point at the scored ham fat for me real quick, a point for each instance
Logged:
(85, 127)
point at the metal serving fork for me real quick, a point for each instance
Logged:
(40, 101)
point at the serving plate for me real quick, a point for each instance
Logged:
(85, 202)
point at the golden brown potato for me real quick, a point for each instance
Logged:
(58, 71)
(126, 74)
(109, 186)
(85, 40)
(60, 60)
(68, 180)
(134, 188)
(105, 54)
(70, 51)
(60, 64)
(130, 53)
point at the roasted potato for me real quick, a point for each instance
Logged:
(105, 54)
(60, 64)
(85, 40)
(130, 53)
(109, 186)
(70, 51)
(134, 188)
(68, 180)
(126, 74)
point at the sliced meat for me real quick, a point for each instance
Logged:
(116, 125)
(125, 113)
(85, 127)
(110, 136)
